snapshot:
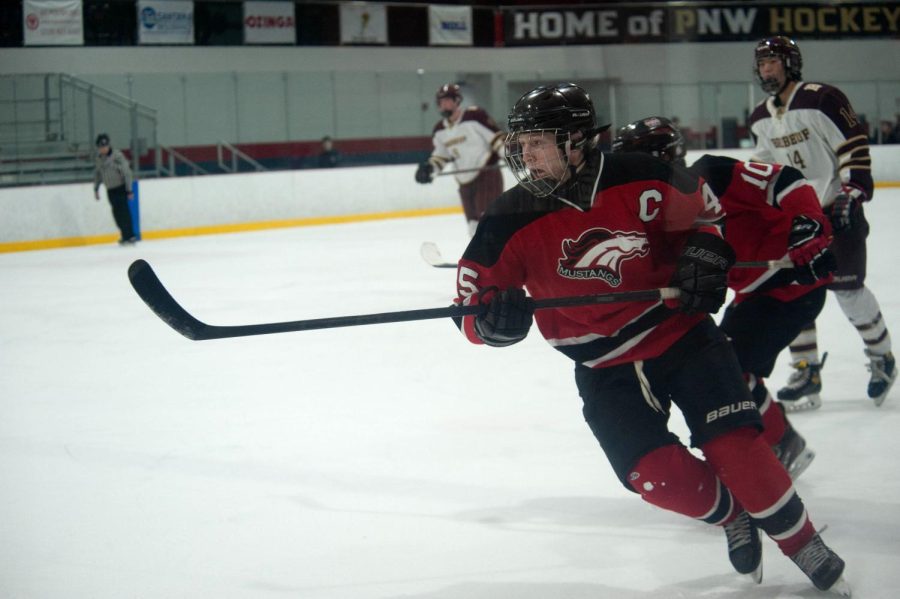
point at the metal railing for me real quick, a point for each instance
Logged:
(168, 159)
(48, 124)
(226, 150)
(87, 110)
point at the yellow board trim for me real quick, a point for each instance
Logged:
(46, 244)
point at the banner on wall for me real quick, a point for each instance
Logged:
(269, 23)
(53, 23)
(363, 23)
(449, 25)
(165, 22)
(698, 23)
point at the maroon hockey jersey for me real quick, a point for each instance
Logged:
(620, 227)
(761, 201)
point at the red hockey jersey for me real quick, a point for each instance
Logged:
(620, 227)
(761, 201)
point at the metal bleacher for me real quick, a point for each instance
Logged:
(37, 162)
(48, 123)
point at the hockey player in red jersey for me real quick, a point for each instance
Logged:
(813, 127)
(772, 213)
(469, 138)
(583, 222)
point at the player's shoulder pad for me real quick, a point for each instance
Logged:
(518, 200)
(716, 170)
(760, 112)
(813, 95)
(785, 178)
(510, 212)
(621, 168)
(474, 113)
(439, 126)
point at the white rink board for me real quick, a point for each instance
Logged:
(65, 211)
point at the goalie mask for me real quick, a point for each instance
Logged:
(786, 50)
(545, 126)
(655, 135)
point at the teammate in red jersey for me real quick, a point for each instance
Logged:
(584, 222)
(472, 141)
(772, 214)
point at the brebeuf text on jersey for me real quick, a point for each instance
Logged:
(786, 141)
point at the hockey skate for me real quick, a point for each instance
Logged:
(803, 386)
(823, 566)
(744, 546)
(792, 452)
(884, 373)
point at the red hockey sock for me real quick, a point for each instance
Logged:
(774, 421)
(674, 479)
(745, 463)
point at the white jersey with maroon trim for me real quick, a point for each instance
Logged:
(621, 227)
(470, 143)
(818, 133)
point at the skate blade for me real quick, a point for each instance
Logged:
(801, 463)
(840, 588)
(804, 404)
(879, 399)
(757, 575)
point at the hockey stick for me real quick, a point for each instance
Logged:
(783, 263)
(156, 296)
(432, 255)
(490, 167)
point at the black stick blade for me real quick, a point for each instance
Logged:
(156, 296)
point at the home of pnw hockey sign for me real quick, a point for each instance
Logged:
(701, 22)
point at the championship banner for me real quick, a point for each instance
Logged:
(53, 23)
(269, 23)
(165, 22)
(363, 23)
(449, 25)
(698, 23)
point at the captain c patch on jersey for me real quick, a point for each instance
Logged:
(599, 253)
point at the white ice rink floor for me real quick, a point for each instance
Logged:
(375, 462)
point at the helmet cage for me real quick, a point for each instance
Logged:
(784, 49)
(541, 175)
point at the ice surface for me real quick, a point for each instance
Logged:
(384, 461)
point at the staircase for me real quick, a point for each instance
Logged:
(48, 124)
(41, 163)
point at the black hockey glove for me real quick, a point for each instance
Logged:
(844, 211)
(808, 250)
(701, 273)
(423, 174)
(507, 318)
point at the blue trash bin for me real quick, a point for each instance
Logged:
(134, 208)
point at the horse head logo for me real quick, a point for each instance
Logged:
(599, 253)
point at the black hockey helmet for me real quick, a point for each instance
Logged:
(565, 107)
(655, 135)
(448, 90)
(781, 47)
(102, 140)
(564, 111)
